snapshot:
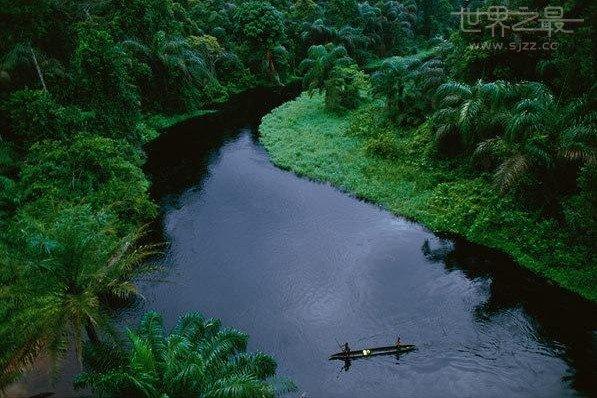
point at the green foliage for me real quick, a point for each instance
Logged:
(23, 54)
(434, 16)
(535, 145)
(259, 23)
(345, 88)
(35, 115)
(406, 84)
(389, 26)
(103, 84)
(99, 170)
(261, 27)
(196, 359)
(208, 48)
(319, 63)
(143, 18)
(383, 145)
(341, 12)
(442, 194)
(303, 10)
(70, 267)
(179, 78)
(329, 68)
(76, 78)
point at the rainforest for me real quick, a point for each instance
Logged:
(199, 197)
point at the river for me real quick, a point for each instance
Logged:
(301, 266)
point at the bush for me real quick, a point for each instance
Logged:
(384, 145)
(345, 89)
(103, 171)
(34, 116)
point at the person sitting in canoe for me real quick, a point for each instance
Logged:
(346, 349)
(397, 342)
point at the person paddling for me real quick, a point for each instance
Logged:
(398, 342)
(346, 352)
(346, 349)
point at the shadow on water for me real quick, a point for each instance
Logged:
(311, 264)
(350, 269)
(564, 321)
(179, 158)
(484, 324)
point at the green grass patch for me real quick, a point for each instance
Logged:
(395, 169)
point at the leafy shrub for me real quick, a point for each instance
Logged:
(384, 145)
(34, 116)
(345, 88)
(105, 171)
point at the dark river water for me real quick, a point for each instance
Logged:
(300, 266)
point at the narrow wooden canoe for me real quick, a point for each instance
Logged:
(371, 352)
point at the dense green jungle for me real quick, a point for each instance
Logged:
(468, 133)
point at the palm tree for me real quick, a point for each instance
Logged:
(170, 54)
(320, 61)
(471, 112)
(540, 136)
(535, 145)
(196, 359)
(75, 268)
(406, 84)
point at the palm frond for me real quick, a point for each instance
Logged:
(454, 88)
(511, 172)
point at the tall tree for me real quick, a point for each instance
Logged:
(73, 266)
(261, 26)
(24, 53)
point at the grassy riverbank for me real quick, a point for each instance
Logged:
(398, 171)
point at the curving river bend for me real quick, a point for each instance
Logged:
(300, 265)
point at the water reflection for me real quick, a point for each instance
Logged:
(180, 159)
(298, 265)
(564, 323)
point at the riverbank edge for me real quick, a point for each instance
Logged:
(162, 122)
(301, 137)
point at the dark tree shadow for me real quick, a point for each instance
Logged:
(563, 320)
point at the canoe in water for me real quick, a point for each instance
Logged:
(371, 352)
